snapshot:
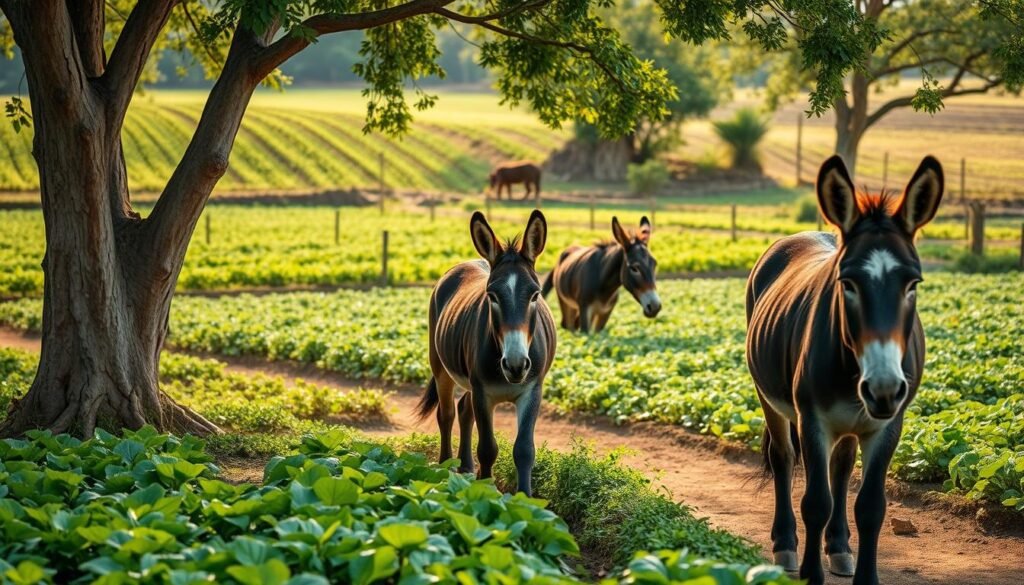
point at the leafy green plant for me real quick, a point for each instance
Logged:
(151, 508)
(647, 178)
(742, 134)
(806, 209)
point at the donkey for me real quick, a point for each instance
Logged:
(587, 280)
(510, 173)
(836, 350)
(492, 340)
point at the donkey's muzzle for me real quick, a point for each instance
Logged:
(883, 400)
(651, 304)
(515, 370)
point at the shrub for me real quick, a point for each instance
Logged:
(994, 262)
(806, 209)
(614, 511)
(742, 134)
(647, 178)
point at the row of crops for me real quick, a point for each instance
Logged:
(331, 506)
(281, 148)
(965, 429)
(277, 247)
(252, 247)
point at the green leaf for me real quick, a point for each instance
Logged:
(335, 491)
(272, 572)
(403, 535)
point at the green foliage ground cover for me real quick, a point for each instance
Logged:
(277, 247)
(337, 508)
(686, 367)
(260, 414)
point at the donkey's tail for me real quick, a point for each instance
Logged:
(428, 402)
(547, 284)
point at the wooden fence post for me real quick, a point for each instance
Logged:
(963, 179)
(592, 212)
(207, 229)
(799, 146)
(1020, 263)
(384, 260)
(654, 208)
(885, 170)
(381, 180)
(977, 228)
(734, 222)
(337, 227)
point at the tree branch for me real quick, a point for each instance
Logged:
(89, 23)
(951, 91)
(56, 76)
(451, 15)
(128, 59)
(281, 50)
(879, 73)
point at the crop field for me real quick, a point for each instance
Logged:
(66, 502)
(984, 130)
(310, 140)
(685, 368)
(294, 246)
(260, 247)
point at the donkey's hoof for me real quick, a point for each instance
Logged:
(841, 564)
(787, 560)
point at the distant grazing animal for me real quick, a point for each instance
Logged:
(587, 280)
(836, 350)
(492, 339)
(511, 173)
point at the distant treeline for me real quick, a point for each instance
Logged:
(329, 62)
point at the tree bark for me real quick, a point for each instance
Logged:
(851, 121)
(104, 314)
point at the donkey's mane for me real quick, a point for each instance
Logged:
(881, 205)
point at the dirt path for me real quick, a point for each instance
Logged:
(714, 479)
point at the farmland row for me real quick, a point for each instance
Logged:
(296, 149)
(966, 427)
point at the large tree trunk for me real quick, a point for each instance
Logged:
(852, 122)
(109, 274)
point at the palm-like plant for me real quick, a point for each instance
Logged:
(742, 134)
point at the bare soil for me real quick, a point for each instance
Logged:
(718, 481)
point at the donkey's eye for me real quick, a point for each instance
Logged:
(912, 292)
(535, 297)
(493, 298)
(849, 289)
(634, 268)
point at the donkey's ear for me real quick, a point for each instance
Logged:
(922, 196)
(620, 234)
(644, 235)
(483, 238)
(535, 236)
(836, 194)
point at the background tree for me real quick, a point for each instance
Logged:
(954, 47)
(110, 273)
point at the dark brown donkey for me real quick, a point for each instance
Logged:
(837, 351)
(511, 173)
(492, 339)
(587, 279)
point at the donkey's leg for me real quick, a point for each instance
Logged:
(837, 533)
(466, 433)
(523, 453)
(445, 413)
(487, 446)
(781, 456)
(869, 509)
(568, 321)
(816, 505)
